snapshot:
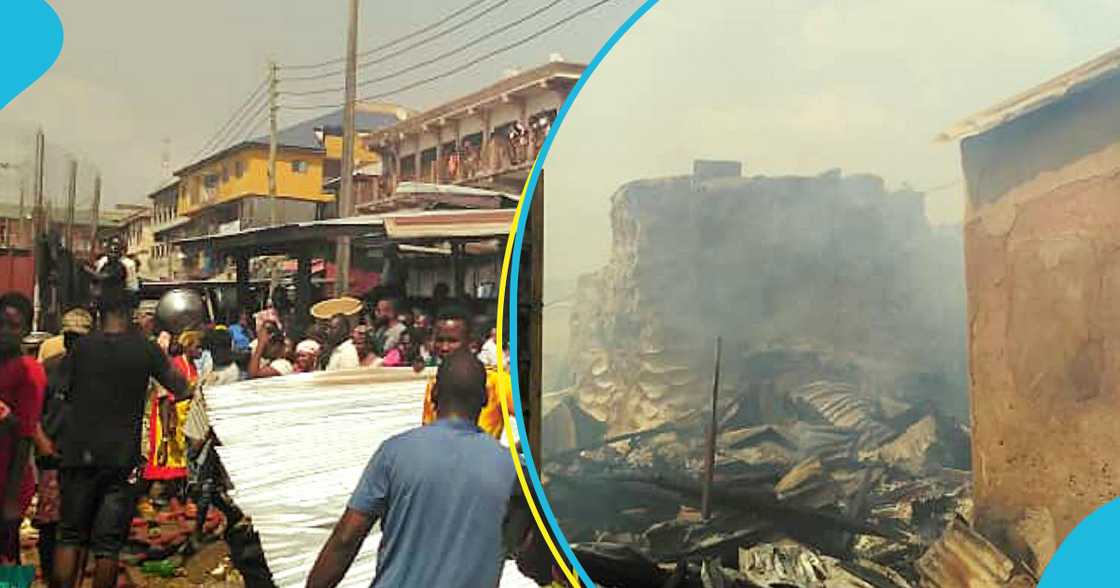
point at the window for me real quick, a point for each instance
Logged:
(239, 168)
(299, 166)
(225, 174)
(210, 183)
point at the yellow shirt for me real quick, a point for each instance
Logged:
(490, 419)
(52, 347)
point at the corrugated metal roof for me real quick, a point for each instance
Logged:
(428, 188)
(303, 135)
(455, 224)
(164, 185)
(1035, 98)
(559, 71)
(449, 224)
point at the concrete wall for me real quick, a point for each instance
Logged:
(1042, 249)
(257, 211)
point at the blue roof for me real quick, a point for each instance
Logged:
(302, 135)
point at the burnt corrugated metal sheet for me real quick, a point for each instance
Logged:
(841, 405)
(962, 558)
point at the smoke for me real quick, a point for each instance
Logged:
(833, 262)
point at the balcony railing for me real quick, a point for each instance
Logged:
(501, 155)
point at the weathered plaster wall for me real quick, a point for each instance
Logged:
(1042, 248)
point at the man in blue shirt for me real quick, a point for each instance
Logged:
(441, 492)
(242, 331)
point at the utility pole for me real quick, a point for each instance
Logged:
(95, 215)
(39, 217)
(346, 191)
(22, 226)
(272, 141)
(71, 202)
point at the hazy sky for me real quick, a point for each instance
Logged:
(799, 87)
(135, 72)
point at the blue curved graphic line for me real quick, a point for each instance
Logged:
(531, 185)
(1082, 558)
(30, 41)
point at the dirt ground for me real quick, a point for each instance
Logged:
(209, 567)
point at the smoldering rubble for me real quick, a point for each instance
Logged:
(838, 488)
(843, 450)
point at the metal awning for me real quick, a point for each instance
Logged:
(419, 227)
(284, 238)
(429, 188)
(427, 196)
(449, 225)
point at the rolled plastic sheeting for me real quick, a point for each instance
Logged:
(295, 448)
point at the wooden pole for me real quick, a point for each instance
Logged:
(71, 202)
(38, 225)
(39, 220)
(22, 226)
(710, 453)
(346, 189)
(95, 215)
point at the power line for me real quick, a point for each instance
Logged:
(218, 136)
(402, 50)
(469, 64)
(245, 128)
(441, 56)
(392, 42)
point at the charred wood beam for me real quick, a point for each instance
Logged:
(755, 502)
(670, 427)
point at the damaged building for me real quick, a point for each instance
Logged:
(847, 451)
(843, 446)
(1042, 249)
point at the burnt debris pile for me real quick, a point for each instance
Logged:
(843, 451)
(818, 484)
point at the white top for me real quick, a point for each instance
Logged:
(344, 357)
(489, 353)
(282, 366)
(131, 278)
(220, 377)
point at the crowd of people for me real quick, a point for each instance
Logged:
(115, 391)
(384, 331)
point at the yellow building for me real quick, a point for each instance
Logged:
(227, 191)
(242, 172)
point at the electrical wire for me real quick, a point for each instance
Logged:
(244, 130)
(391, 42)
(465, 66)
(402, 50)
(446, 54)
(218, 136)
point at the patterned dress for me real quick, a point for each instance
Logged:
(169, 464)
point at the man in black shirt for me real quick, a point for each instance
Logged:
(110, 371)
